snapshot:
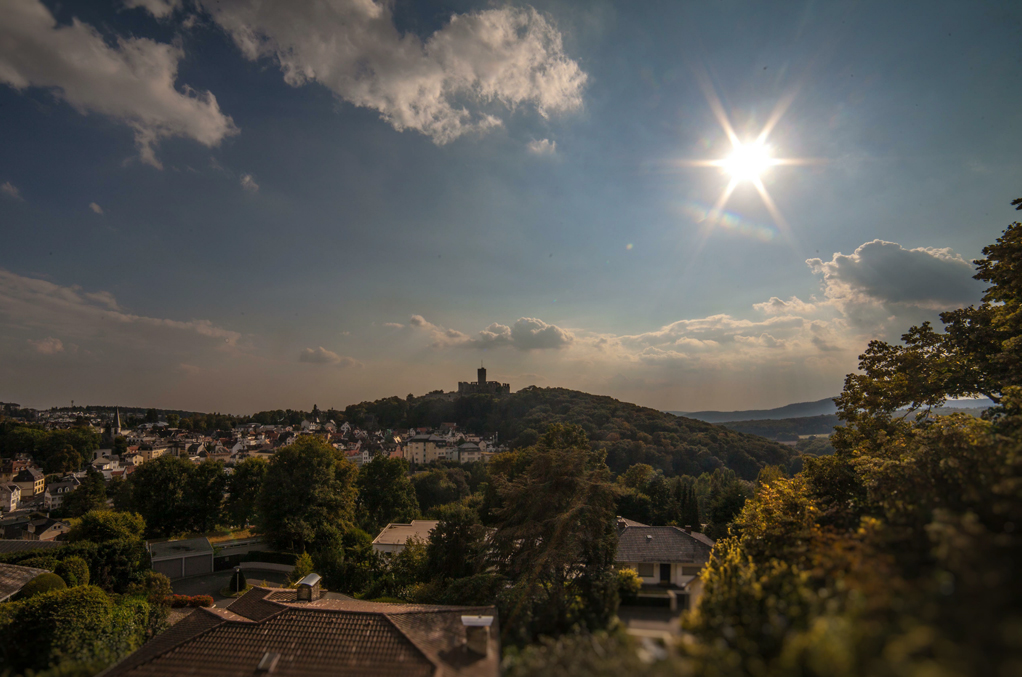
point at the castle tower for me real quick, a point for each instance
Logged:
(482, 375)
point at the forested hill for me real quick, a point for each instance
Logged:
(630, 434)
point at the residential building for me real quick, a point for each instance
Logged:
(32, 482)
(306, 632)
(10, 497)
(395, 535)
(664, 556)
(53, 496)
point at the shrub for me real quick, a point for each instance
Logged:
(154, 586)
(200, 600)
(74, 570)
(238, 581)
(41, 584)
(113, 565)
(100, 526)
(74, 626)
(39, 562)
(194, 601)
(629, 583)
(303, 567)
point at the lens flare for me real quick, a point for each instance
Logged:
(747, 162)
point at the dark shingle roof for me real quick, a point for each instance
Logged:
(9, 545)
(325, 637)
(665, 544)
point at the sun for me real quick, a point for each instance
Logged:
(747, 162)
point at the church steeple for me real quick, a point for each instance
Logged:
(117, 421)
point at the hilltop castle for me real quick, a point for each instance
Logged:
(483, 387)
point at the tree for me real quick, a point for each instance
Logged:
(244, 487)
(385, 494)
(158, 490)
(204, 495)
(173, 420)
(456, 543)
(99, 526)
(439, 487)
(90, 495)
(311, 499)
(556, 539)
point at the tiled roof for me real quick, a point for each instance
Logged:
(325, 637)
(8, 545)
(13, 578)
(661, 544)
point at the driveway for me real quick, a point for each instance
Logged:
(650, 621)
(212, 584)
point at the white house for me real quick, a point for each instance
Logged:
(10, 497)
(53, 497)
(670, 557)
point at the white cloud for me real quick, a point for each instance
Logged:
(458, 80)
(161, 9)
(527, 333)
(249, 183)
(321, 355)
(793, 306)
(95, 208)
(132, 81)
(10, 190)
(48, 346)
(34, 304)
(542, 147)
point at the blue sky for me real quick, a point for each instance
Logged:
(235, 206)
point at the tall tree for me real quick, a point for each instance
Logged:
(456, 543)
(244, 486)
(90, 495)
(157, 494)
(556, 538)
(311, 499)
(385, 494)
(204, 495)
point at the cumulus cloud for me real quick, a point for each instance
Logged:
(48, 346)
(95, 208)
(542, 147)
(132, 80)
(31, 303)
(458, 80)
(887, 273)
(10, 190)
(321, 355)
(793, 306)
(528, 333)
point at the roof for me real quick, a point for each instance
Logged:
(324, 637)
(661, 544)
(29, 475)
(398, 534)
(9, 545)
(13, 578)
(182, 548)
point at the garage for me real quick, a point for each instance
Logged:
(181, 559)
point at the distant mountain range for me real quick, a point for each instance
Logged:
(802, 410)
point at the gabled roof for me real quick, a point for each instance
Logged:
(324, 637)
(661, 544)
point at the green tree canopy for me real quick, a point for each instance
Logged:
(244, 487)
(99, 526)
(385, 494)
(311, 498)
(158, 490)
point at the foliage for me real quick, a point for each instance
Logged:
(113, 565)
(440, 486)
(311, 499)
(158, 490)
(648, 497)
(556, 539)
(239, 583)
(626, 433)
(193, 601)
(352, 565)
(302, 568)
(80, 625)
(799, 425)
(55, 450)
(456, 544)
(100, 526)
(629, 583)
(153, 586)
(204, 495)
(244, 486)
(91, 495)
(385, 494)
(600, 654)
(41, 584)
(74, 570)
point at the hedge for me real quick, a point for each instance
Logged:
(41, 584)
(74, 570)
(113, 565)
(194, 601)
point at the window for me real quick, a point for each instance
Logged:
(646, 570)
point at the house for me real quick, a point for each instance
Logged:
(32, 482)
(664, 556)
(10, 497)
(178, 559)
(10, 467)
(395, 535)
(53, 496)
(39, 529)
(306, 632)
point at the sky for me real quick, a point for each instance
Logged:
(238, 205)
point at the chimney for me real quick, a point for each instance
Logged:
(308, 589)
(649, 537)
(477, 633)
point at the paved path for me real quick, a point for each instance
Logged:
(650, 622)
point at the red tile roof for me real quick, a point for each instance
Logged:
(324, 637)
